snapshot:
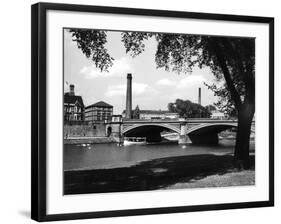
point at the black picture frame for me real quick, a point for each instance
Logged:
(39, 108)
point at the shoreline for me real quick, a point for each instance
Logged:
(106, 140)
(89, 140)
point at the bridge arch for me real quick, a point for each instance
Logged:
(135, 126)
(209, 125)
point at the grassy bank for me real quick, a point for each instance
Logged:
(233, 178)
(165, 173)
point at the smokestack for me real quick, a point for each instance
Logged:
(129, 97)
(199, 96)
(71, 90)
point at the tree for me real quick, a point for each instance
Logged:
(224, 103)
(231, 60)
(210, 107)
(92, 44)
(188, 109)
(136, 112)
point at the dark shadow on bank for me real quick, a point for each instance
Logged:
(148, 175)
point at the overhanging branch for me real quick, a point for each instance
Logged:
(222, 63)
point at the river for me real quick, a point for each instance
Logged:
(105, 156)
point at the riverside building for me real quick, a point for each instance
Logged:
(98, 112)
(73, 106)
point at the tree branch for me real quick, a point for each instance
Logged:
(222, 62)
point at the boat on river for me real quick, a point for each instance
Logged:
(135, 141)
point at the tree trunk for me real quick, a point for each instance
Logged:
(242, 153)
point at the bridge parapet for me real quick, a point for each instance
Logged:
(145, 121)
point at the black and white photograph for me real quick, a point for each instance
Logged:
(147, 111)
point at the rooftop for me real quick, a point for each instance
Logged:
(100, 104)
(71, 99)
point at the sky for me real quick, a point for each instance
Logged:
(152, 88)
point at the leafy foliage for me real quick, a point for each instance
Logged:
(188, 109)
(134, 42)
(224, 103)
(210, 107)
(92, 43)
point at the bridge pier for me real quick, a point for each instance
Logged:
(116, 131)
(184, 138)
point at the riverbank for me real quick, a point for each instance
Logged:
(192, 171)
(89, 140)
(105, 140)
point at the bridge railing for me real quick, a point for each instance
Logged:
(151, 120)
(202, 120)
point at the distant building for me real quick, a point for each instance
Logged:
(99, 111)
(156, 114)
(73, 106)
(215, 114)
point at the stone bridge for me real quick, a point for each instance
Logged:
(203, 131)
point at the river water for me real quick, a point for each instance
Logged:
(102, 156)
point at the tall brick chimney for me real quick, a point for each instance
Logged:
(199, 96)
(128, 114)
(71, 90)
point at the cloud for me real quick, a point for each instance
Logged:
(187, 81)
(119, 68)
(115, 90)
(165, 82)
(191, 80)
(120, 90)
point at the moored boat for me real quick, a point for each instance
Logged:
(134, 141)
